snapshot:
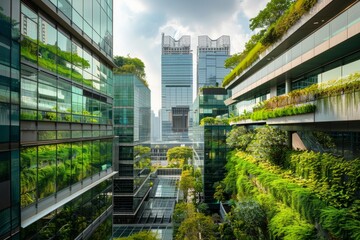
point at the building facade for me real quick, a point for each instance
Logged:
(211, 56)
(56, 92)
(132, 115)
(209, 144)
(210, 103)
(176, 88)
(320, 49)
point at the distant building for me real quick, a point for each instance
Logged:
(176, 87)
(155, 126)
(210, 103)
(132, 124)
(211, 56)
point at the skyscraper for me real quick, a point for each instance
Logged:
(56, 140)
(132, 125)
(211, 55)
(176, 87)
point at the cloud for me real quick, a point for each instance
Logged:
(138, 25)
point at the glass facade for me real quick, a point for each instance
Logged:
(9, 118)
(65, 89)
(211, 56)
(93, 17)
(176, 88)
(132, 112)
(210, 146)
(48, 169)
(70, 220)
(132, 109)
(46, 45)
(210, 103)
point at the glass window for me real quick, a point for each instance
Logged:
(47, 97)
(77, 163)
(28, 94)
(63, 174)
(28, 175)
(65, 7)
(4, 122)
(46, 170)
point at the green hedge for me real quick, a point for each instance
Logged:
(296, 195)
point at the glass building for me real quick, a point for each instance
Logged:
(9, 118)
(56, 96)
(176, 88)
(132, 115)
(210, 103)
(209, 143)
(211, 56)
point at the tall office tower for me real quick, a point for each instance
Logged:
(56, 140)
(155, 127)
(132, 111)
(176, 87)
(211, 55)
(9, 119)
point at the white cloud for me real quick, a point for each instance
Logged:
(138, 25)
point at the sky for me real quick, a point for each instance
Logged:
(138, 25)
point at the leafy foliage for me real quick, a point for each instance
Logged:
(143, 235)
(178, 156)
(280, 21)
(270, 14)
(213, 121)
(189, 224)
(269, 144)
(239, 138)
(130, 65)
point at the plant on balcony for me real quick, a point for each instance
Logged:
(213, 121)
(275, 30)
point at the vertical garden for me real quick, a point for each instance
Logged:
(279, 193)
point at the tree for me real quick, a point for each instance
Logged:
(269, 144)
(187, 182)
(143, 235)
(181, 212)
(130, 65)
(178, 156)
(239, 138)
(197, 227)
(270, 14)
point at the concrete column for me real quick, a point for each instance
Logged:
(273, 91)
(287, 86)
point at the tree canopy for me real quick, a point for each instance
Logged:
(178, 156)
(265, 18)
(130, 65)
(143, 235)
(270, 14)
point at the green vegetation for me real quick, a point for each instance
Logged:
(143, 235)
(54, 59)
(275, 20)
(296, 194)
(213, 121)
(190, 224)
(131, 65)
(295, 102)
(42, 175)
(177, 157)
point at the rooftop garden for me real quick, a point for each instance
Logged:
(130, 65)
(272, 23)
